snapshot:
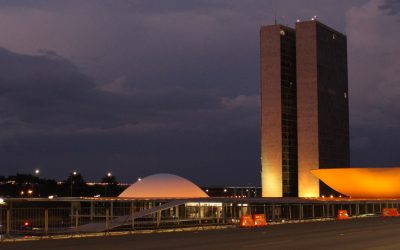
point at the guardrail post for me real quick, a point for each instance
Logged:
(158, 218)
(223, 211)
(301, 211)
(111, 209)
(313, 211)
(1, 221)
(199, 210)
(107, 218)
(327, 211)
(91, 210)
(273, 212)
(133, 217)
(76, 219)
(265, 211)
(46, 221)
(233, 212)
(72, 214)
(177, 215)
(8, 222)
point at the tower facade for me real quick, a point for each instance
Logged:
(322, 103)
(304, 107)
(278, 111)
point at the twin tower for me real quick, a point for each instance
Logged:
(304, 107)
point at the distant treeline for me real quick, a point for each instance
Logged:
(28, 185)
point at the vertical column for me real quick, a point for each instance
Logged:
(158, 218)
(46, 221)
(307, 108)
(301, 211)
(8, 222)
(271, 110)
(112, 209)
(76, 219)
(91, 210)
(132, 216)
(107, 219)
(313, 211)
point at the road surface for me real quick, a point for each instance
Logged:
(367, 233)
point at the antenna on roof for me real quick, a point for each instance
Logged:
(275, 18)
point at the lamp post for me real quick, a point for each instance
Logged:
(37, 172)
(109, 174)
(72, 180)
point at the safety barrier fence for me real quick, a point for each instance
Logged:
(42, 221)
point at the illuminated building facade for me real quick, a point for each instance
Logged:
(278, 111)
(304, 107)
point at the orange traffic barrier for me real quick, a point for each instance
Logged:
(259, 220)
(390, 212)
(246, 221)
(342, 215)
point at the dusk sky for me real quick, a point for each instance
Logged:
(145, 87)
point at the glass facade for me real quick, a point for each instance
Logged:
(289, 113)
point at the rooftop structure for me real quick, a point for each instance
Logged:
(163, 186)
(362, 182)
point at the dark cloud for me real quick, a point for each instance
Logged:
(391, 7)
(172, 86)
(374, 60)
(54, 116)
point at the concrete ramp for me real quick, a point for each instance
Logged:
(97, 227)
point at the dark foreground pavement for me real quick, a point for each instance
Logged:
(367, 233)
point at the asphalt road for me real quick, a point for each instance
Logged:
(367, 233)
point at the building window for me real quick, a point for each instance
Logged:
(345, 95)
(333, 36)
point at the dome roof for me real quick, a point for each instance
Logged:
(163, 186)
(362, 182)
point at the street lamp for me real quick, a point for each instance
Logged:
(37, 172)
(74, 173)
(109, 174)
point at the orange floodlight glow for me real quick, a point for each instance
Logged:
(362, 182)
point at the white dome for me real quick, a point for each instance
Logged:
(163, 186)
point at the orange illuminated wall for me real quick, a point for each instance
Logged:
(278, 111)
(362, 182)
(307, 108)
(271, 139)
